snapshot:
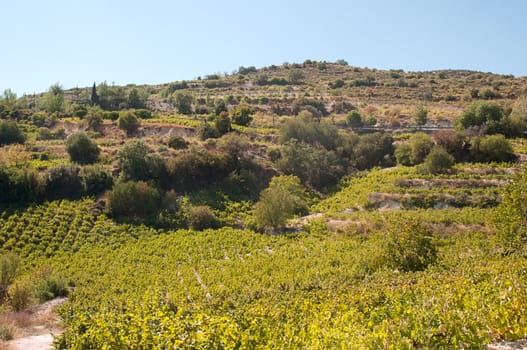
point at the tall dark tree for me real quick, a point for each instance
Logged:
(94, 96)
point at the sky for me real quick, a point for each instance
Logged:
(78, 42)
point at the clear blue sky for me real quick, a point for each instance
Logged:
(77, 42)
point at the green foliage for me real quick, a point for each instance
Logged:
(486, 115)
(284, 198)
(136, 99)
(183, 101)
(315, 166)
(454, 142)
(10, 133)
(9, 268)
(19, 295)
(222, 123)
(420, 116)
(415, 151)
(63, 181)
(128, 122)
(373, 150)
(492, 148)
(410, 246)
(510, 218)
(438, 161)
(82, 149)
(138, 162)
(309, 131)
(177, 142)
(53, 100)
(242, 115)
(133, 201)
(50, 285)
(354, 119)
(95, 179)
(201, 218)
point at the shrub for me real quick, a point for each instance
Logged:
(82, 149)
(50, 286)
(374, 149)
(63, 181)
(410, 246)
(10, 133)
(438, 161)
(222, 123)
(485, 115)
(242, 115)
(20, 295)
(95, 179)
(133, 200)
(143, 113)
(207, 131)
(455, 143)
(183, 102)
(94, 121)
(9, 265)
(284, 198)
(354, 119)
(201, 218)
(177, 142)
(420, 116)
(138, 162)
(6, 332)
(128, 122)
(309, 131)
(492, 148)
(415, 151)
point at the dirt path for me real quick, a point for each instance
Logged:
(39, 333)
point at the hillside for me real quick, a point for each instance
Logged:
(301, 206)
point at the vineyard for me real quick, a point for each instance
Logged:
(305, 206)
(316, 288)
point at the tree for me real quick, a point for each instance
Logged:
(135, 100)
(284, 198)
(10, 133)
(8, 100)
(242, 115)
(486, 115)
(222, 123)
(354, 119)
(420, 116)
(183, 102)
(95, 179)
(133, 201)
(202, 217)
(415, 150)
(492, 148)
(128, 122)
(82, 149)
(138, 162)
(220, 107)
(94, 99)
(374, 149)
(53, 101)
(63, 181)
(438, 161)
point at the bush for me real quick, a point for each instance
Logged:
(143, 113)
(492, 148)
(177, 142)
(207, 131)
(485, 115)
(242, 115)
(284, 198)
(128, 122)
(201, 218)
(222, 123)
(410, 246)
(420, 116)
(63, 181)
(95, 179)
(20, 295)
(415, 151)
(438, 161)
(51, 286)
(354, 119)
(309, 131)
(138, 162)
(9, 265)
(133, 201)
(374, 149)
(455, 143)
(82, 149)
(10, 133)
(183, 102)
